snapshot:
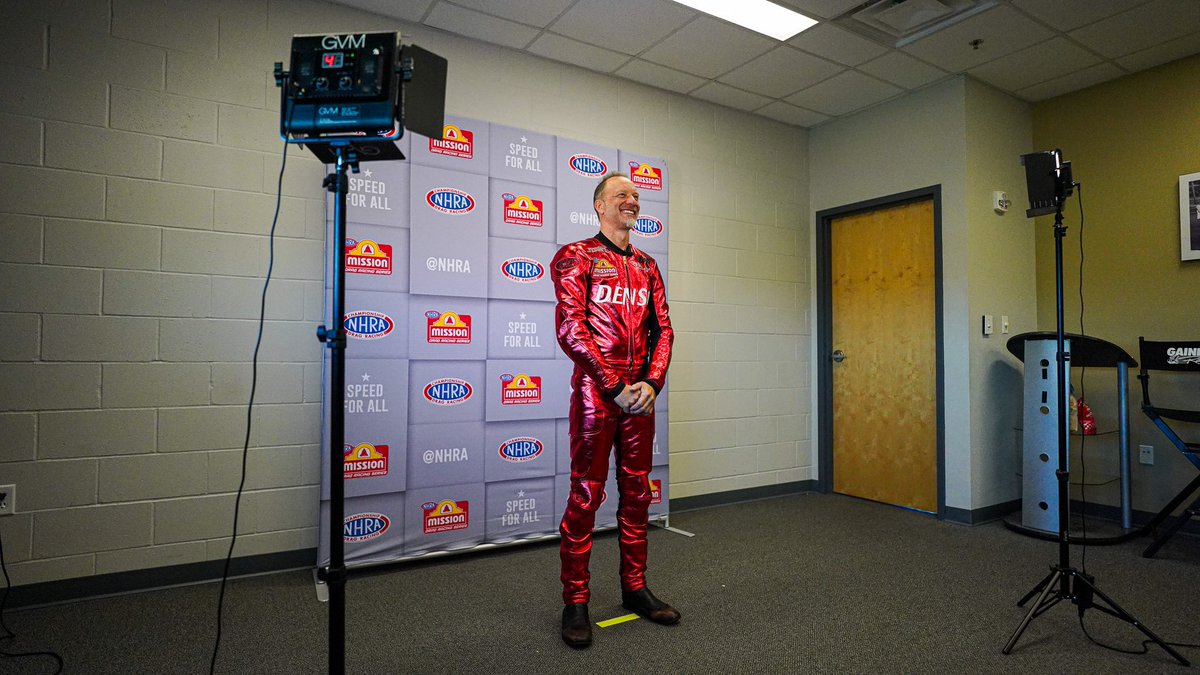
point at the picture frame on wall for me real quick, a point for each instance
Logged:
(1189, 216)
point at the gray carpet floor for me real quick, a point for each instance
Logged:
(805, 583)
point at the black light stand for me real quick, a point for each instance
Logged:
(1047, 170)
(347, 98)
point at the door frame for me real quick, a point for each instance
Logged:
(824, 358)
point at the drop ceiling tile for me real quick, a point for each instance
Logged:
(532, 12)
(780, 72)
(1003, 30)
(472, 24)
(902, 69)
(659, 76)
(1160, 54)
(790, 114)
(1141, 28)
(1068, 15)
(730, 96)
(838, 44)
(1074, 82)
(708, 47)
(628, 26)
(409, 11)
(577, 53)
(844, 93)
(820, 9)
(1041, 62)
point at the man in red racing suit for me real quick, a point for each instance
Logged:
(611, 320)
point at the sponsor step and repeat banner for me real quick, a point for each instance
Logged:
(456, 390)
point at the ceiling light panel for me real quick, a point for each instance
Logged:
(759, 16)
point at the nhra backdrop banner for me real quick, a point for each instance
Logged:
(456, 390)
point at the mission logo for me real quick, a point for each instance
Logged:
(455, 142)
(645, 176)
(447, 328)
(447, 391)
(446, 516)
(365, 461)
(520, 389)
(364, 526)
(522, 210)
(602, 269)
(368, 257)
(588, 166)
(368, 325)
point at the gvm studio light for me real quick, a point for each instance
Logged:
(348, 98)
(359, 90)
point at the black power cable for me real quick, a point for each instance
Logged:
(8, 634)
(262, 314)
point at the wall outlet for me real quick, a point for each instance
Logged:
(8, 499)
(1146, 455)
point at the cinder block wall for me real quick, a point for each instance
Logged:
(137, 175)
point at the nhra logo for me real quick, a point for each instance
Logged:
(455, 142)
(648, 226)
(364, 526)
(367, 257)
(450, 200)
(522, 210)
(447, 391)
(1177, 356)
(445, 516)
(590, 166)
(520, 390)
(448, 328)
(520, 449)
(365, 461)
(645, 176)
(522, 270)
(656, 492)
(602, 269)
(368, 325)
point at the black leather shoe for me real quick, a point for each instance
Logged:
(576, 626)
(644, 604)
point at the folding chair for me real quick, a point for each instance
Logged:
(1178, 357)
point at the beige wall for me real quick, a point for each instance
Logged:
(137, 173)
(1128, 142)
(1000, 263)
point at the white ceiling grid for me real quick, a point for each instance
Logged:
(1033, 49)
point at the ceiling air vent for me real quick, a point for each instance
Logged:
(899, 22)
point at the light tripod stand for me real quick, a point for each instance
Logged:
(1050, 184)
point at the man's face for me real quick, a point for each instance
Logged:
(619, 203)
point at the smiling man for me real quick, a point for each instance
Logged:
(611, 320)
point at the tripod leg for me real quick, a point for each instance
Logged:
(1034, 591)
(1049, 585)
(1128, 618)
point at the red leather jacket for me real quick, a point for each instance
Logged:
(611, 317)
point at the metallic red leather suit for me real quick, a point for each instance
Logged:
(612, 321)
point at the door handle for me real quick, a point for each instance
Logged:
(839, 356)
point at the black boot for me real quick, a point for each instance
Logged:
(643, 603)
(576, 625)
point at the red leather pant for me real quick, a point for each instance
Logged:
(597, 425)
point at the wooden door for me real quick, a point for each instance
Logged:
(884, 300)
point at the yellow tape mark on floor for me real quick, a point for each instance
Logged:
(616, 620)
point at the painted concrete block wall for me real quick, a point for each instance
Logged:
(1003, 283)
(137, 181)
